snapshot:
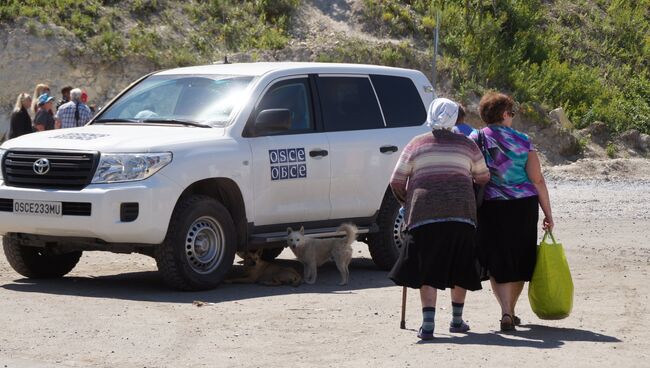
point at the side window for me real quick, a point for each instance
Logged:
(348, 103)
(293, 95)
(400, 101)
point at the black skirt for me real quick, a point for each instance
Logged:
(441, 255)
(507, 234)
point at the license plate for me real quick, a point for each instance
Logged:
(37, 208)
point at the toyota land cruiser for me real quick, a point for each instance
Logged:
(190, 165)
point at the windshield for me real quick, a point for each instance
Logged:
(203, 99)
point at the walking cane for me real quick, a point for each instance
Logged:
(402, 322)
(407, 239)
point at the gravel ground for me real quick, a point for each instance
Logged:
(112, 310)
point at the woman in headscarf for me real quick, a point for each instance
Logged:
(433, 182)
(509, 213)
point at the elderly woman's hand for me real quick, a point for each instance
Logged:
(548, 224)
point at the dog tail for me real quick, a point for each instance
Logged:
(350, 233)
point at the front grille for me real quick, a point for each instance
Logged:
(67, 208)
(76, 209)
(71, 170)
(6, 205)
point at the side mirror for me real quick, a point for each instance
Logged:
(272, 121)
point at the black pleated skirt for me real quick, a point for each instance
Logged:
(441, 255)
(507, 234)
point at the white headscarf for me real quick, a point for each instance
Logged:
(442, 114)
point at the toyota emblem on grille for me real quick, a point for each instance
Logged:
(42, 166)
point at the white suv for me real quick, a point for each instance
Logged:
(193, 164)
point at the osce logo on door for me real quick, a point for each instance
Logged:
(288, 163)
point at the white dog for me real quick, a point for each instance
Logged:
(313, 252)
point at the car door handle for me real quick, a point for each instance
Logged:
(384, 149)
(316, 153)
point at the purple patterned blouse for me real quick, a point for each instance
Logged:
(507, 154)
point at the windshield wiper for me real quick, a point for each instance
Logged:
(154, 121)
(175, 121)
(116, 120)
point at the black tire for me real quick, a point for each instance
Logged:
(384, 245)
(38, 263)
(200, 245)
(269, 254)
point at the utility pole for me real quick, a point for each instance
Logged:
(435, 51)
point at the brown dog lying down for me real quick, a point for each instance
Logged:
(265, 273)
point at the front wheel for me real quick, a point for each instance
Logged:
(200, 245)
(385, 245)
(38, 263)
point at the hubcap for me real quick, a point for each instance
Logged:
(399, 236)
(204, 245)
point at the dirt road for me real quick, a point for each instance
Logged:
(113, 311)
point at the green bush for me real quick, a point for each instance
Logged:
(242, 25)
(109, 45)
(592, 57)
(144, 7)
(610, 150)
(390, 54)
(215, 26)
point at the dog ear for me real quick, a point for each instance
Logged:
(302, 230)
(289, 230)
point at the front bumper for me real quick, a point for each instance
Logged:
(156, 198)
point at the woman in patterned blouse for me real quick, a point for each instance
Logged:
(509, 214)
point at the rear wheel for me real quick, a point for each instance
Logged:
(385, 245)
(200, 245)
(38, 263)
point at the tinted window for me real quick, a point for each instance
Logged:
(292, 94)
(400, 101)
(349, 103)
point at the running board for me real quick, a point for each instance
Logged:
(327, 232)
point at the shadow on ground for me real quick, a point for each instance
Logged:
(148, 286)
(526, 336)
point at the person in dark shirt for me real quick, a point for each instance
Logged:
(21, 122)
(44, 119)
(65, 96)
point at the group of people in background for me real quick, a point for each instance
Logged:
(68, 112)
(455, 243)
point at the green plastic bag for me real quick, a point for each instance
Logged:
(550, 291)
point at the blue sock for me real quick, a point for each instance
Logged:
(428, 319)
(457, 314)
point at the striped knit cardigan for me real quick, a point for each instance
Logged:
(434, 176)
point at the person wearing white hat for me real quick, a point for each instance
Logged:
(440, 168)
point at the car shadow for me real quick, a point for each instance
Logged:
(148, 286)
(526, 336)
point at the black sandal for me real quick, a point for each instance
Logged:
(507, 324)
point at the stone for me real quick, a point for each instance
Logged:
(599, 132)
(558, 115)
(632, 139)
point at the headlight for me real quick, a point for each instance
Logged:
(121, 167)
(2, 153)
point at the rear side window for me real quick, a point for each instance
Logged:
(348, 103)
(400, 101)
